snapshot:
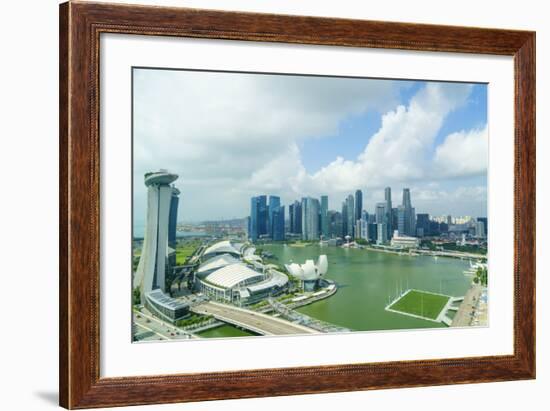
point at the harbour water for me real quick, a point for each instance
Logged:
(367, 280)
(225, 331)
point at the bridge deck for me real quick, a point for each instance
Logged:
(259, 323)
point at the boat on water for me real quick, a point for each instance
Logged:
(472, 271)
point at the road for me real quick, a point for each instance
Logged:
(149, 328)
(259, 323)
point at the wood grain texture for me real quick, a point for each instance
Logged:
(80, 27)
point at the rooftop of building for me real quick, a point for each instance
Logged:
(232, 275)
(161, 177)
(216, 262)
(164, 300)
(275, 279)
(220, 247)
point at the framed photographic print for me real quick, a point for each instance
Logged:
(259, 205)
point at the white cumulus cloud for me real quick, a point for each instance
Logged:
(400, 150)
(463, 153)
(230, 136)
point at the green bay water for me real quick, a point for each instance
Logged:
(225, 331)
(367, 281)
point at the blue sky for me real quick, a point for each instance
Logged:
(354, 132)
(230, 136)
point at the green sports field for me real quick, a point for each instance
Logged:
(420, 303)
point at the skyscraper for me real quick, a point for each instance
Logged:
(422, 225)
(372, 232)
(412, 222)
(153, 263)
(407, 198)
(173, 223)
(310, 218)
(479, 229)
(389, 216)
(381, 233)
(274, 203)
(381, 214)
(253, 229)
(296, 217)
(358, 204)
(292, 217)
(350, 224)
(344, 219)
(401, 219)
(393, 219)
(173, 219)
(278, 223)
(258, 223)
(484, 221)
(335, 227)
(262, 215)
(324, 217)
(409, 217)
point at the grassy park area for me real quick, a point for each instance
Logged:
(183, 251)
(420, 303)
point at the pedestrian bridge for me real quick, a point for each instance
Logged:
(256, 322)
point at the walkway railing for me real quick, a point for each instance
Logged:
(299, 318)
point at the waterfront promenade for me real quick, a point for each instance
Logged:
(464, 315)
(432, 253)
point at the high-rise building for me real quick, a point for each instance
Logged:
(423, 225)
(324, 217)
(291, 218)
(278, 223)
(295, 216)
(274, 203)
(407, 198)
(336, 228)
(434, 228)
(173, 224)
(380, 212)
(361, 226)
(372, 232)
(358, 204)
(173, 219)
(394, 219)
(484, 221)
(412, 222)
(350, 224)
(401, 219)
(344, 219)
(479, 229)
(372, 218)
(262, 215)
(253, 221)
(381, 233)
(310, 218)
(154, 261)
(408, 220)
(259, 216)
(389, 217)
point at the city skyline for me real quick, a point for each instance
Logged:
(299, 136)
(310, 219)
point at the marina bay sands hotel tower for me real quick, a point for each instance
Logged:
(162, 201)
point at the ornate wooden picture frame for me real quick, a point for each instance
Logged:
(81, 24)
